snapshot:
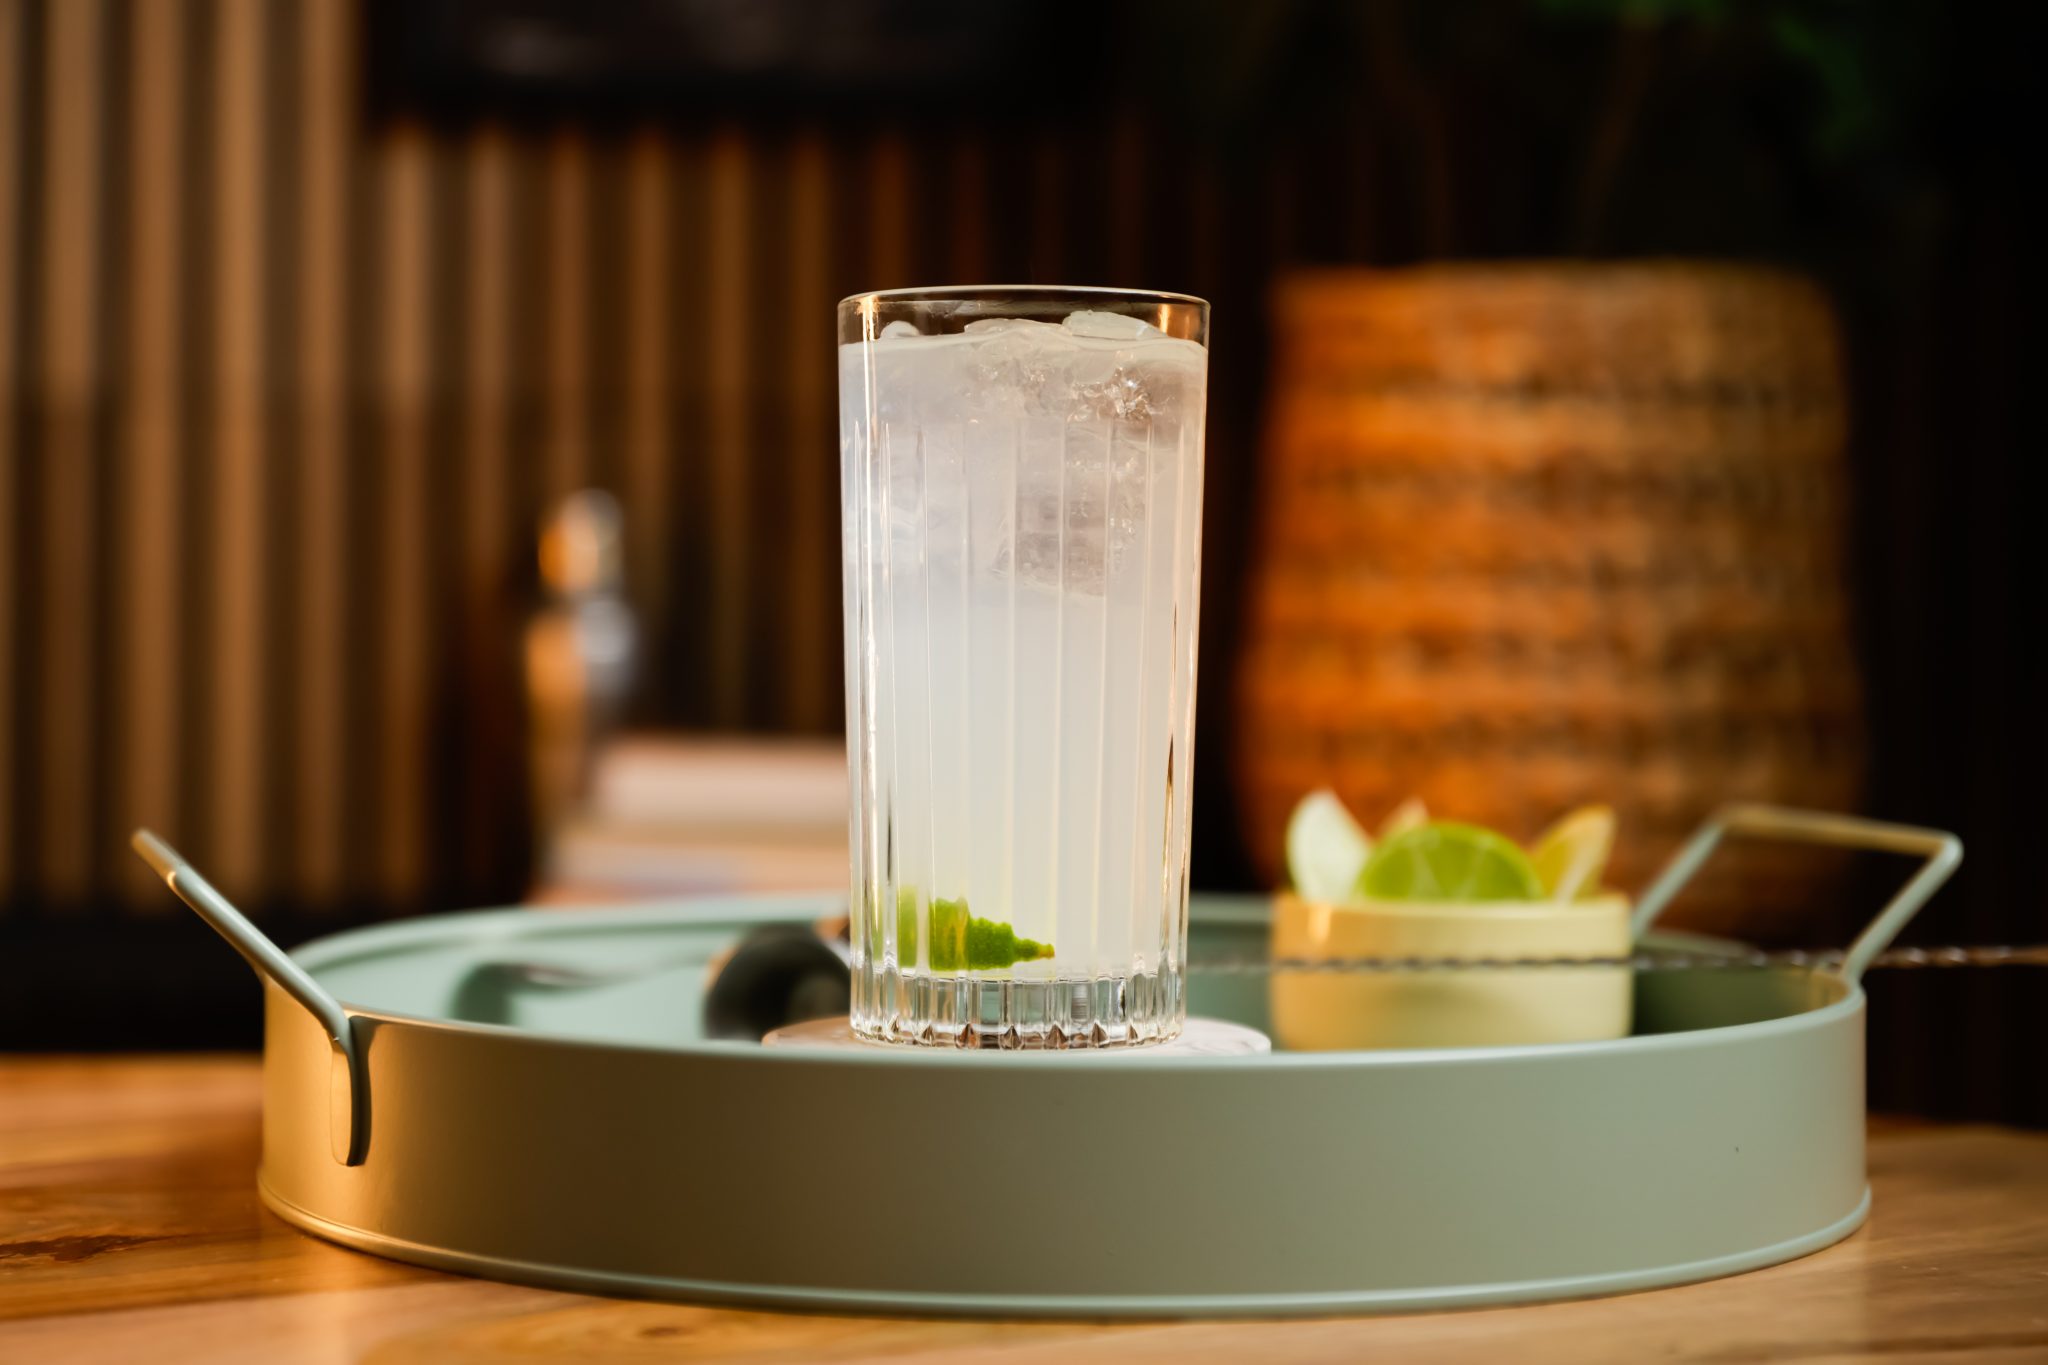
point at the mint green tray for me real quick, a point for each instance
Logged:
(598, 1142)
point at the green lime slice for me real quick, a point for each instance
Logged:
(960, 941)
(1443, 861)
(1326, 849)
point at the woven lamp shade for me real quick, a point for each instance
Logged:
(1538, 535)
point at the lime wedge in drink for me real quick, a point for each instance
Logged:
(1325, 848)
(1572, 853)
(960, 941)
(1443, 861)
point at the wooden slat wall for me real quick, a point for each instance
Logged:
(289, 391)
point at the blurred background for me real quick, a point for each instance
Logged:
(418, 476)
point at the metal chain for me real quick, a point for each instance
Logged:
(2033, 955)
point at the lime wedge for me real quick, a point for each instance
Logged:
(1325, 848)
(1443, 861)
(959, 941)
(964, 942)
(1410, 814)
(1572, 853)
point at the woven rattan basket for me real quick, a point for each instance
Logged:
(1541, 534)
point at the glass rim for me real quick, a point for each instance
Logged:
(944, 293)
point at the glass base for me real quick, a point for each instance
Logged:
(893, 1006)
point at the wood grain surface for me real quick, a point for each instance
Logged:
(130, 1231)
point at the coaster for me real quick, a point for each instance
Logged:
(1200, 1038)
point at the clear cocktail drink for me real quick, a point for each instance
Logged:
(1022, 477)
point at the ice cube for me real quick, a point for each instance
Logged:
(1013, 366)
(991, 326)
(900, 328)
(1122, 395)
(1109, 327)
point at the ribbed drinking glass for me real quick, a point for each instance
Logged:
(1022, 495)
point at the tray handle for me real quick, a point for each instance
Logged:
(1939, 851)
(348, 1091)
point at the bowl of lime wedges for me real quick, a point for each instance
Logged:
(1442, 895)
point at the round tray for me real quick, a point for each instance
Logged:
(592, 1139)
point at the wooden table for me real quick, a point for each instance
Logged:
(130, 1231)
